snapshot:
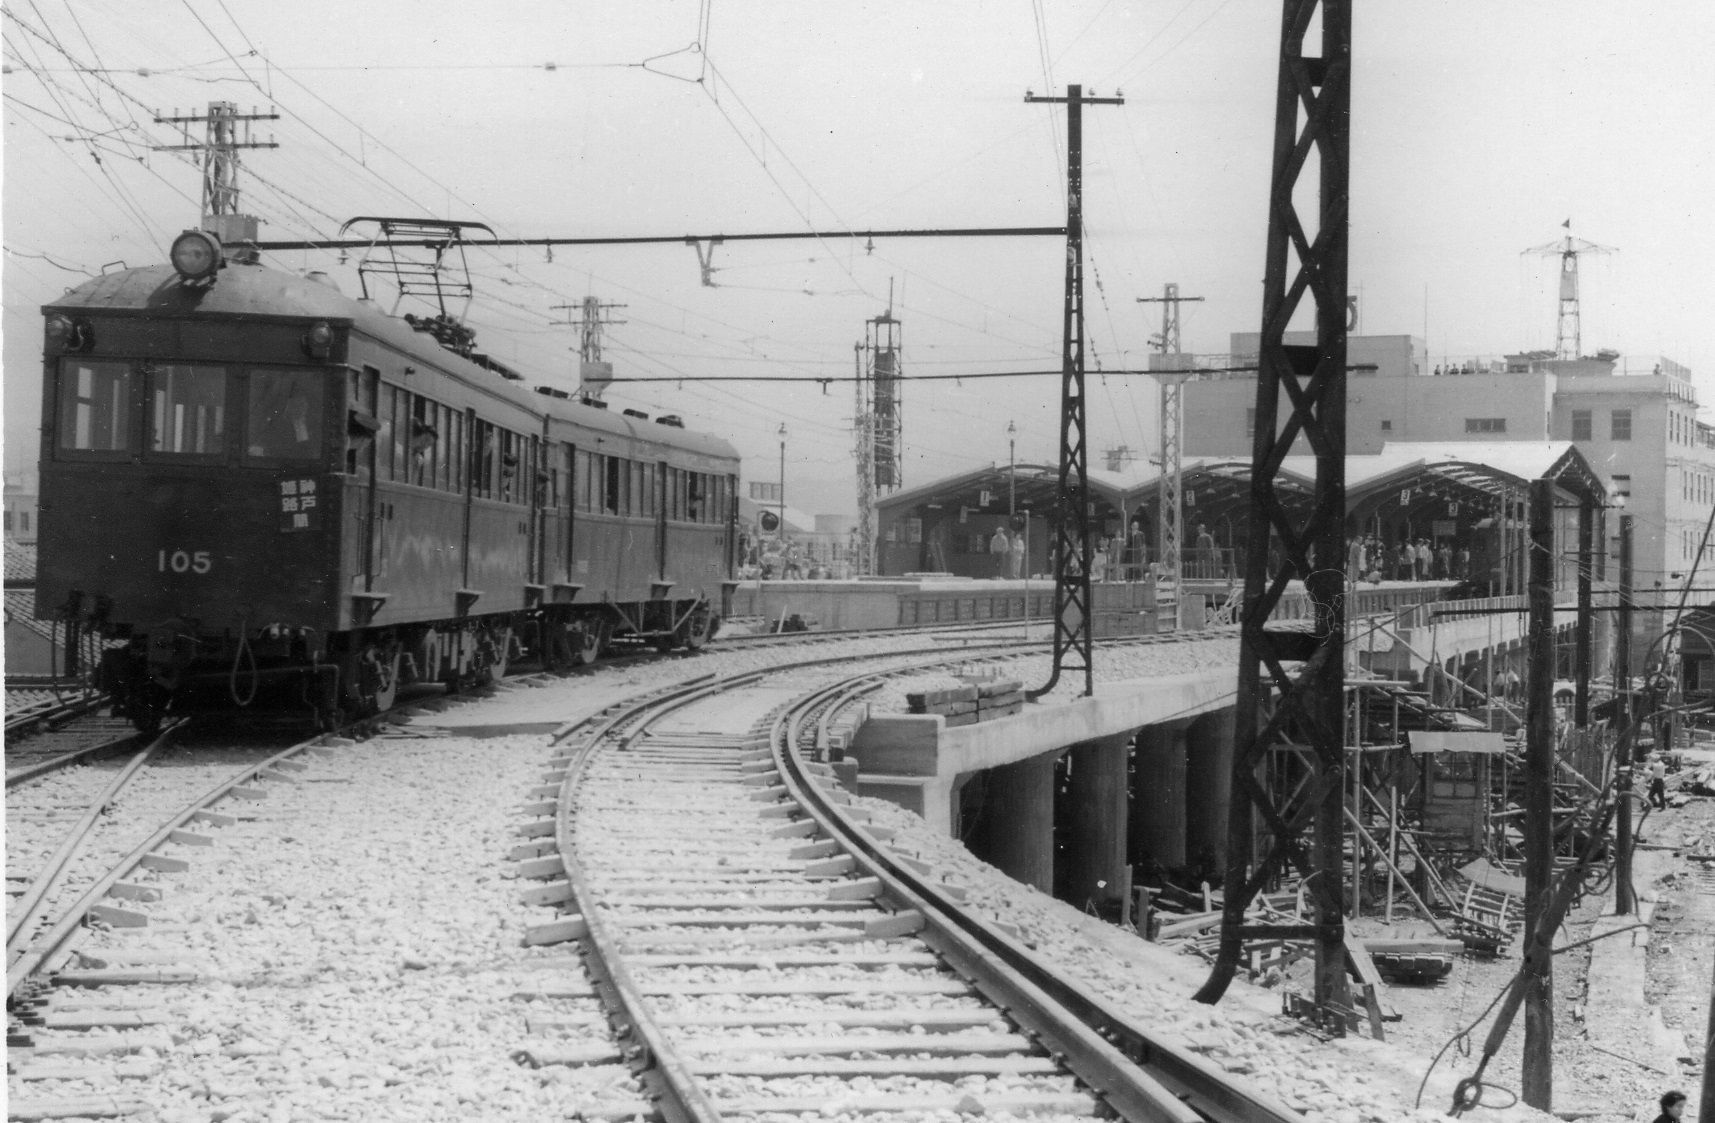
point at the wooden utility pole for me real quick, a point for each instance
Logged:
(1583, 627)
(1539, 799)
(1623, 903)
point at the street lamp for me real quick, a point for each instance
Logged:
(783, 483)
(1011, 469)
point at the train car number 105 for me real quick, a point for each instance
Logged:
(179, 561)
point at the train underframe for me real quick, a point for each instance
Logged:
(179, 667)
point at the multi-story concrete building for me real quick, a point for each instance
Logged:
(1635, 422)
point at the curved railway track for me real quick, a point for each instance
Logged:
(876, 997)
(760, 946)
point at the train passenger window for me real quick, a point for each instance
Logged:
(614, 475)
(581, 476)
(284, 419)
(456, 454)
(482, 456)
(95, 407)
(511, 467)
(399, 433)
(447, 448)
(187, 410)
(694, 496)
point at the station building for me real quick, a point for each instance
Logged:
(1634, 423)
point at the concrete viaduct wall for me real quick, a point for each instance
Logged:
(1150, 763)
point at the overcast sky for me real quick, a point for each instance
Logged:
(1477, 130)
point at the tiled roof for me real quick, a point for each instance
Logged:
(20, 561)
(21, 609)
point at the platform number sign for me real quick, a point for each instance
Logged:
(297, 501)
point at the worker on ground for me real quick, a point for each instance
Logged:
(1672, 1108)
(1658, 794)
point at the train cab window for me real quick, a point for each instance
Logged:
(95, 407)
(284, 421)
(187, 410)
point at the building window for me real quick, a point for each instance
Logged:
(8, 522)
(1581, 428)
(1485, 425)
(1250, 421)
(1622, 487)
(1620, 428)
(1387, 426)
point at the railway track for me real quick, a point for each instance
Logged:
(769, 955)
(123, 1006)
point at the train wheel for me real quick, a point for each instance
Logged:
(386, 678)
(586, 642)
(698, 629)
(146, 706)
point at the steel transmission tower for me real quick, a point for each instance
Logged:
(1072, 522)
(1568, 330)
(1300, 391)
(1170, 519)
(228, 131)
(878, 425)
(594, 373)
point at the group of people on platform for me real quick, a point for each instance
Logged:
(1414, 559)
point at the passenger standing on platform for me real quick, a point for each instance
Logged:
(1443, 560)
(999, 548)
(1462, 563)
(1672, 1108)
(1406, 558)
(1015, 556)
(1424, 559)
(1099, 561)
(1205, 552)
(1355, 559)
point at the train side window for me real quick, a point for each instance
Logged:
(514, 470)
(614, 473)
(456, 459)
(694, 496)
(284, 416)
(400, 417)
(482, 460)
(94, 407)
(187, 410)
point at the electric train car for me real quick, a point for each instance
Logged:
(271, 492)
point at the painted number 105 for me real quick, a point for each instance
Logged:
(180, 561)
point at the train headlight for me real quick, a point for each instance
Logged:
(67, 334)
(318, 341)
(196, 255)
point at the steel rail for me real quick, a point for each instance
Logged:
(59, 710)
(1188, 1079)
(27, 907)
(59, 937)
(650, 1052)
(55, 763)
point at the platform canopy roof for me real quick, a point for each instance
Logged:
(1217, 488)
(1038, 488)
(1494, 467)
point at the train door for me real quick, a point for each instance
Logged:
(363, 389)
